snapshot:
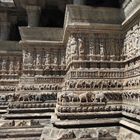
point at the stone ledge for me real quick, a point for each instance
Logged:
(93, 27)
(22, 138)
(27, 115)
(17, 133)
(85, 122)
(76, 13)
(31, 110)
(86, 115)
(10, 46)
(131, 125)
(40, 33)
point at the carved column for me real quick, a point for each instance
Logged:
(79, 2)
(4, 30)
(33, 13)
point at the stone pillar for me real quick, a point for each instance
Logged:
(4, 30)
(79, 2)
(33, 13)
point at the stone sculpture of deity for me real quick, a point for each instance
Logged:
(68, 48)
(63, 60)
(3, 65)
(101, 50)
(55, 60)
(73, 46)
(38, 61)
(11, 67)
(81, 47)
(27, 58)
(24, 56)
(91, 50)
(17, 66)
(47, 61)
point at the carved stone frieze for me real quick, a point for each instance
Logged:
(87, 73)
(94, 84)
(93, 47)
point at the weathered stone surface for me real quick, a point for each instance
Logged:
(84, 77)
(78, 134)
(40, 33)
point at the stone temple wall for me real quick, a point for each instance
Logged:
(79, 82)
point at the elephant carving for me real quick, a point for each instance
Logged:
(73, 97)
(87, 97)
(63, 97)
(68, 97)
(23, 97)
(100, 97)
(38, 97)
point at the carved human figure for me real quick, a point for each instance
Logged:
(68, 47)
(135, 41)
(47, 57)
(34, 64)
(55, 60)
(124, 49)
(135, 36)
(24, 56)
(101, 50)
(38, 61)
(11, 67)
(91, 50)
(29, 58)
(81, 47)
(17, 66)
(63, 61)
(73, 46)
(130, 46)
(3, 65)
